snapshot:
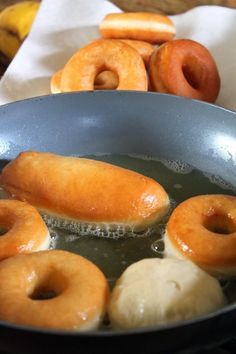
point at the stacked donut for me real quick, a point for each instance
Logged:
(138, 52)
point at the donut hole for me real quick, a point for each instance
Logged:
(106, 79)
(49, 287)
(220, 224)
(3, 230)
(43, 294)
(191, 76)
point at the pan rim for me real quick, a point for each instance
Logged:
(134, 331)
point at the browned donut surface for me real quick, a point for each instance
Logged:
(186, 68)
(83, 67)
(85, 190)
(203, 228)
(52, 289)
(25, 229)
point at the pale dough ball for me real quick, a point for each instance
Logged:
(158, 291)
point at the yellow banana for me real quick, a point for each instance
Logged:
(15, 23)
(18, 18)
(9, 44)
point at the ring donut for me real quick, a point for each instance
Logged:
(25, 229)
(203, 229)
(144, 26)
(81, 70)
(108, 80)
(52, 289)
(186, 68)
(145, 49)
(85, 190)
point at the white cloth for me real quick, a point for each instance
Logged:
(61, 27)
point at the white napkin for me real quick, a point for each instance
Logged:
(61, 27)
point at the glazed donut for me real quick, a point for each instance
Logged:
(203, 230)
(186, 68)
(81, 70)
(52, 289)
(26, 231)
(144, 26)
(85, 190)
(157, 291)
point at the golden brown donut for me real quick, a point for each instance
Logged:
(84, 189)
(145, 49)
(109, 80)
(25, 229)
(203, 229)
(106, 80)
(52, 289)
(81, 70)
(144, 26)
(186, 68)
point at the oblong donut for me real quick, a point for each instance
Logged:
(78, 291)
(26, 231)
(144, 26)
(81, 70)
(85, 190)
(186, 68)
(203, 229)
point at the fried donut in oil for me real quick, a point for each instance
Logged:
(53, 289)
(203, 230)
(26, 231)
(85, 190)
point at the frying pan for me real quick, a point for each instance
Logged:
(119, 122)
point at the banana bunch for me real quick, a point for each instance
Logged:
(15, 24)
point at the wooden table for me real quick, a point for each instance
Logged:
(162, 6)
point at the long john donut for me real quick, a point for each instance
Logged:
(85, 190)
(186, 68)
